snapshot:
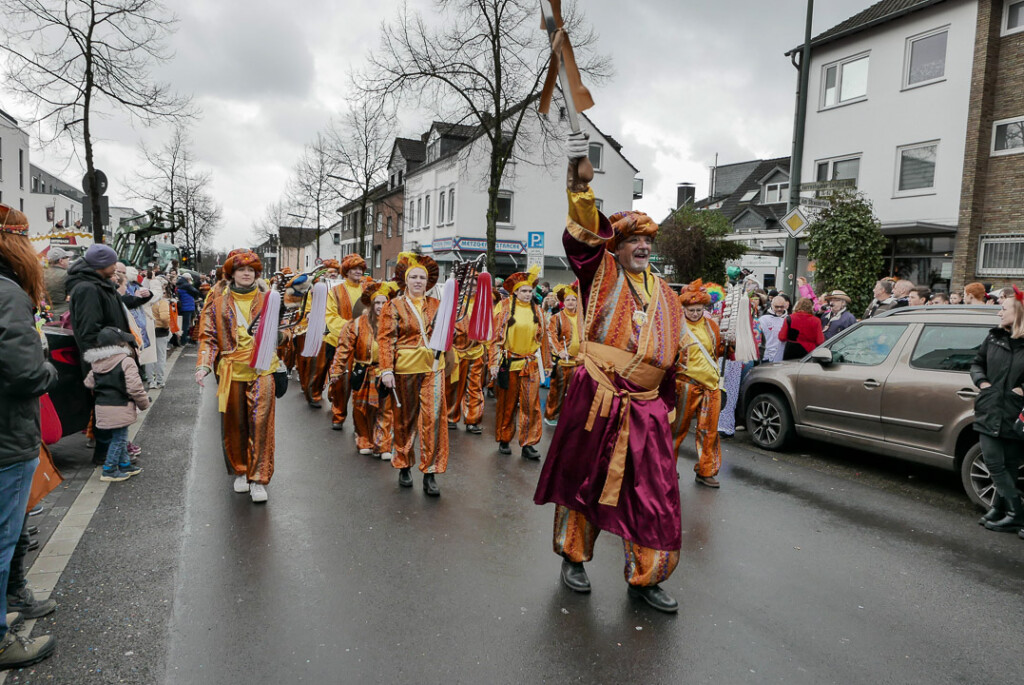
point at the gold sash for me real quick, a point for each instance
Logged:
(603, 363)
(224, 374)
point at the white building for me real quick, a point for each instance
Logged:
(888, 107)
(446, 195)
(14, 173)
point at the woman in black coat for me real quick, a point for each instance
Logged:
(998, 371)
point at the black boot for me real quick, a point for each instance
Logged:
(997, 511)
(655, 596)
(404, 477)
(530, 453)
(503, 448)
(452, 425)
(574, 576)
(1013, 522)
(430, 485)
(474, 429)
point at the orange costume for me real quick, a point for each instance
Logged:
(343, 305)
(518, 335)
(403, 333)
(465, 385)
(697, 385)
(358, 349)
(245, 396)
(565, 335)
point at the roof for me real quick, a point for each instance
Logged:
(733, 205)
(296, 236)
(879, 13)
(411, 150)
(447, 130)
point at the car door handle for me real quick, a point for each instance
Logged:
(871, 384)
(967, 394)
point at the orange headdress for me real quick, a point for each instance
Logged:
(374, 288)
(563, 291)
(695, 293)
(331, 264)
(352, 261)
(408, 261)
(239, 258)
(628, 224)
(521, 278)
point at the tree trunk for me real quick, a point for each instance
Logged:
(492, 212)
(90, 167)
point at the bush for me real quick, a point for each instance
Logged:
(692, 241)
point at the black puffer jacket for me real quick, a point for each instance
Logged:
(24, 373)
(1000, 361)
(95, 303)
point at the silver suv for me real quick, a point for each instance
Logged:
(897, 384)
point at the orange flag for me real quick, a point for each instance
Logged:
(561, 51)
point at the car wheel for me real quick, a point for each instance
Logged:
(977, 480)
(769, 421)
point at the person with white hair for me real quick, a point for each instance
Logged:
(55, 275)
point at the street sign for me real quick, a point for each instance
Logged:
(838, 184)
(752, 261)
(815, 203)
(795, 222)
(101, 183)
(535, 250)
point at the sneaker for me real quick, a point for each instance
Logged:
(709, 481)
(17, 651)
(385, 456)
(551, 422)
(134, 449)
(258, 492)
(365, 450)
(153, 385)
(129, 469)
(113, 476)
(90, 442)
(26, 604)
(241, 484)
(36, 510)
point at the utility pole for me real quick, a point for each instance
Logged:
(791, 252)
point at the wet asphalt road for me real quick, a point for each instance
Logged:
(799, 570)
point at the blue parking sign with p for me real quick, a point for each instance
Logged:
(535, 239)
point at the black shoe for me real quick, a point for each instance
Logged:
(32, 546)
(404, 477)
(26, 604)
(452, 425)
(33, 530)
(315, 404)
(997, 511)
(655, 596)
(430, 485)
(337, 426)
(1011, 523)
(530, 453)
(1020, 533)
(574, 576)
(503, 448)
(474, 429)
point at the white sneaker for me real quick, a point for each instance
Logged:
(258, 492)
(241, 484)
(385, 456)
(365, 451)
(153, 385)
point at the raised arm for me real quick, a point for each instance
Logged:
(586, 230)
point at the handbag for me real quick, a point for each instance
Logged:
(358, 375)
(792, 349)
(503, 373)
(49, 421)
(280, 383)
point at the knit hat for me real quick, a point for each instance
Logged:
(55, 254)
(100, 256)
(111, 336)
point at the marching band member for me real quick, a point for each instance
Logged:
(565, 333)
(316, 368)
(610, 464)
(285, 351)
(358, 356)
(518, 335)
(245, 396)
(465, 385)
(343, 305)
(697, 383)
(406, 367)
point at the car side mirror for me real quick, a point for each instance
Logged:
(822, 355)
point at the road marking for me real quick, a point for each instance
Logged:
(54, 556)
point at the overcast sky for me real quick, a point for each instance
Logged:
(692, 79)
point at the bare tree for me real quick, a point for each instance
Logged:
(76, 59)
(274, 217)
(482, 63)
(314, 187)
(361, 145)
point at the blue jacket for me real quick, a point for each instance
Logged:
(187, 295)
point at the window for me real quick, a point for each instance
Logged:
(21, 204)
(1001, 255)
(504, 207)
(1008, 136)
(867, 345)
(392, 184)
(337, 239)
(21, 169)
(775, 193)
(389, 227)
(947, 348)
(380, 223)
(401, 228)
(440, 207)
(926, 58)
(419, 213)
(35, 184)
(845, 81)
(451, 205)
(433, 150)
(1013, 17)
(748, 196)
(426, 211)
(599, 204)
(597, 156)
(376, 257)
(1, 159)
(838, 169)
(915, 168)
(400, 177)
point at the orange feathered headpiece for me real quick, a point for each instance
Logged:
(521, 278)
(695, 293)
(628, 224)
(239, 258)
(374, 288)
(563, 291)
(13, 221)
(408, 261)
(352, 261)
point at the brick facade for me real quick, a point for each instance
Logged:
(389, 206)
(992, 186)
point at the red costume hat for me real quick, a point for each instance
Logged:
(521, 278)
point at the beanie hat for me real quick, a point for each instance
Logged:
(55, 254)
(111, 336)
(100, 256)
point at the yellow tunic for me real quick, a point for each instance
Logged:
(335, 322)
(421, 359)
(698, 366)
(574, 341)
(521, 338)
(241, 371)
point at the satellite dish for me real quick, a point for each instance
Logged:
(101, 182)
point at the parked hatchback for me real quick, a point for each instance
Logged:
(897, 384)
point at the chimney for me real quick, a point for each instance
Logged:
(686, 193)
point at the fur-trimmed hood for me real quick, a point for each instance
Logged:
(104, 359)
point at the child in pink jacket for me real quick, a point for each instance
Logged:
(120, 395)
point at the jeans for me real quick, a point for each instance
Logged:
(155, 371)
(16, 580)
(117, 452)
(1003, 458)
(186, 326)
(15, 483)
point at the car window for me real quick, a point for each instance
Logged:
(867, 345)
(948, 348)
